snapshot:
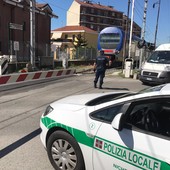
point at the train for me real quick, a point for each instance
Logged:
(111, 41)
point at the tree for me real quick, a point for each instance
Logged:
(79, 41)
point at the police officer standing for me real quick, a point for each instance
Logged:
(100, 66)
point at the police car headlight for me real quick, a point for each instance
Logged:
(167, 68)
(48, 110)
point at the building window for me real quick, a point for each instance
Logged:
(24, 26)
(119, 15)
(98, 28)
(98, 20)
(125, 22)
(83, 24)
(92, 10)
(106, 13)
(92, 26)
(66, 36)
(83, 10)
(113, 14)
(99, 12)
(0, 48)
(83, 18)
(105, 21)
(73, 37)
(91, 18)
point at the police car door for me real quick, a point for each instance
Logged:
(134, 147)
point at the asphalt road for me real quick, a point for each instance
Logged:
(20, 111)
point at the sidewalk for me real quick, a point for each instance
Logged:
(110, 71)
(89, 69)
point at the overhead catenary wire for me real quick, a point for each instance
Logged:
(57, 6)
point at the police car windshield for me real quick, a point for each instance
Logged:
(160, 57)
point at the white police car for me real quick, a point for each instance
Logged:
(109, 131)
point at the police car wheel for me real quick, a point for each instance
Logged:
(64, 152)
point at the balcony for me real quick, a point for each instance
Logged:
(100, 15)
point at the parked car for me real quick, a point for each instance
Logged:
(105, 131)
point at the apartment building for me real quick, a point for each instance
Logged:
(136, 27)
(94, 16)
(97, 16)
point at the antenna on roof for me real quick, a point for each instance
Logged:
(87, 1)
(110, 6)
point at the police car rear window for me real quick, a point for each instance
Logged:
(107, 98)
(152, 89)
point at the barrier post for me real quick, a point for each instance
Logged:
(3, 66)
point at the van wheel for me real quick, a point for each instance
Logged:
(64, 152)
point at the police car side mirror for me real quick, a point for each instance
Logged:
(117, 121)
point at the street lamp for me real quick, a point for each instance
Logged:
(156, 30)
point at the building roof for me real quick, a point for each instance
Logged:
(43, 6)
(75, 28)
(47, 7)
(88, 3)
(39, 7)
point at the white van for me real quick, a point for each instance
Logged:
(156, 68)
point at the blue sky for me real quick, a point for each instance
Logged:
(60, 8)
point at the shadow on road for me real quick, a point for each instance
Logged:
(19, 143)
(108, 88)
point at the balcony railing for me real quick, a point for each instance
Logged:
(101, 16)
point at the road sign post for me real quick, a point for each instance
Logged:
(16, 49)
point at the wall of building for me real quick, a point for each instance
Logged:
(4, 32)
(43, 34)
(21, 15)
(73, 14)
(81, 14)
(91, 39)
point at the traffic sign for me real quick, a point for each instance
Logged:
(17, 1)
(15, 26)
(16, 45)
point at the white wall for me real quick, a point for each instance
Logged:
(73, 14)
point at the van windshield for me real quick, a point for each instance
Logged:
(160, 57)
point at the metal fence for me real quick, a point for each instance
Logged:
(77, 54)
(22, 54)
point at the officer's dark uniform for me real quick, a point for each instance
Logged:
(100, 65)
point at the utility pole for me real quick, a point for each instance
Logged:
(144, 20)
(156, 30)
(129, 60)
(126, 32)
(32, 32)
(143, 33)
(131, 28)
